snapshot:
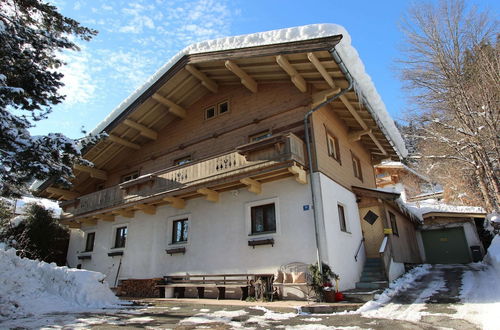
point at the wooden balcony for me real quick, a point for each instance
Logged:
(269, 159)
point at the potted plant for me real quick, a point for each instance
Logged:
(321, 283)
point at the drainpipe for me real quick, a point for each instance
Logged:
(342, 67)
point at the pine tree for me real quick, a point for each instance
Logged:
(32, 33)
(38, 236)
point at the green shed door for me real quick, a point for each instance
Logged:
(446, 246)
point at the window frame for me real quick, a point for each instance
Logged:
(394, 223)
(260, 136)
(115, 236)
(356, 167)
(184, 224)
(205, 112)
(248, 217)
(216, 109)
(342, 220)
(183, 160)
(87, 235)
(219, 113)
(335, 153)
(267, 227)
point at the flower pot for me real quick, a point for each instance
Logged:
(329, 296)
(339, 296)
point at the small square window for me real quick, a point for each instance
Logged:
(209, 112)
(223, 107)
(356, 166)
(130, 176)
(263, 219)
(333, 147)
(183, 160)
(89, 243)
(120, 237)
(394, 224)
(260, 136)
(342, 221)
(180, 231)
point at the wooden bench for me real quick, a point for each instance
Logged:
(244, 282)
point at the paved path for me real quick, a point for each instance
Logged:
(429, 304)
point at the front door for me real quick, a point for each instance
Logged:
(373, 230)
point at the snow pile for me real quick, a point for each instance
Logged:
(401, 284)
(427, 206)
(480, 290)
(350, 57)
(225, 317)
(33, 287)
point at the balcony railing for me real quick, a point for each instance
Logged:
(256, 156)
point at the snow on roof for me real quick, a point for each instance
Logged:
(393, 164)
(363, 83)
(429, 206)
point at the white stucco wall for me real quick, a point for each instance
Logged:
(396, 269)
(217, 239)
(341, 246)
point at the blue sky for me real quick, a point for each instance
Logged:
(136, 37)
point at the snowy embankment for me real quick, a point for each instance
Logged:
(480, 291)
(30, 287)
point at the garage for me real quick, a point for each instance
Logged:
(446, 246)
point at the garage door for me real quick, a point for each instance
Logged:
(446, 246)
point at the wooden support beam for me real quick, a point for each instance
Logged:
(322, 96)
(143, 130)
(300, 174)
(66, 194)
(210, 195)
(205, 81)
(74, 225)
(253, 185)
(176, 202)
(89, 221)
(94, 172)
(146, 208)
(321, 69)
(124, 213)
(172, 107)
(246, 80)
(123, 142)
(297, 79)
(356, 135)
(105, 217)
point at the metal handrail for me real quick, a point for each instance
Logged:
(359, 248)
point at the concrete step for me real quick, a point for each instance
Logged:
(372, 285)
(372, 278)
(328, 308)
(360, 295)
(372, 261)
(372, 272)
(373, 269)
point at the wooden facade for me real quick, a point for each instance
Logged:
(172, 143)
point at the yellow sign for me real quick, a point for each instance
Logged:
(387, 231)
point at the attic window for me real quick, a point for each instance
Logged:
(129, 176)
(209, 113)
(223, 107)
(356, 166)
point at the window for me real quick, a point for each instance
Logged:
(183, 160)
(394, 224)
(214, 111)
(333, 147)
(210, 112)
(343, 224)
(223, 107)
(263, 219)
(89, 243)
(120, 237)
(130, 176)
(180, 231)
(260, 136)
(356, 166)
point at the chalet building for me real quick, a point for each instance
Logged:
(240, 156)
(448, 234)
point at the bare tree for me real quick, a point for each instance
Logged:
(451, 67)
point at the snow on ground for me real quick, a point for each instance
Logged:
(401, 284)
(30, 287)
(480, 290)
(215, 317)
